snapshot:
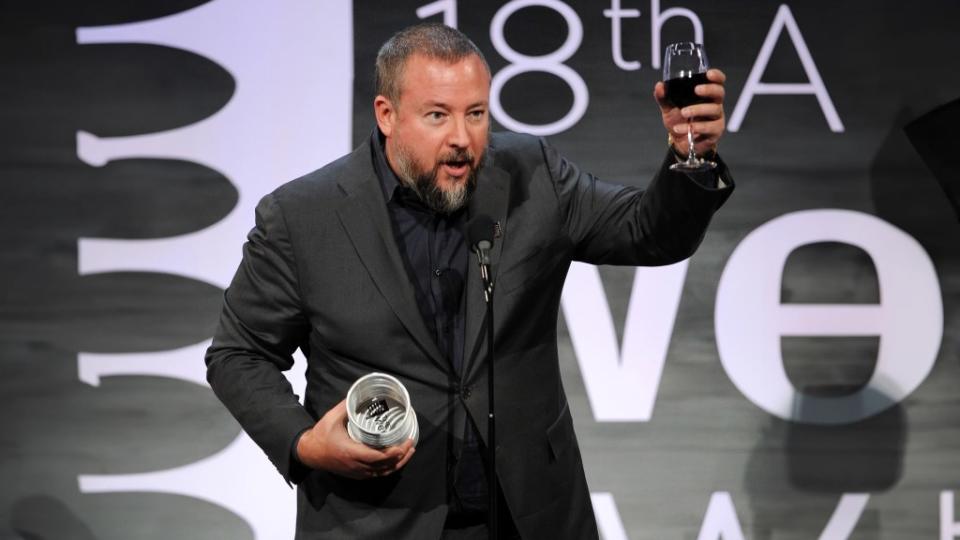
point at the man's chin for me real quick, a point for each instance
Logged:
(448, 182)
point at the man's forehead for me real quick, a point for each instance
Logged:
(421, 66)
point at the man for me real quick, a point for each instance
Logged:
(363, 265)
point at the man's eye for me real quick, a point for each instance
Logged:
(435, 115)
(478, 114)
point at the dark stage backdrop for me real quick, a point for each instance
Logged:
(796, 379)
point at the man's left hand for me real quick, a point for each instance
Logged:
(706, 118)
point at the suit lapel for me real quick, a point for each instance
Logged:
(491, 198)
(365, 218)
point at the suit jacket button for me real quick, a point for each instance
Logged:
(466, 392)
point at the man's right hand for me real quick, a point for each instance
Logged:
(327, 446)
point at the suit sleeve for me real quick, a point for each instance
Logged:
(260, 327)
(612, 224)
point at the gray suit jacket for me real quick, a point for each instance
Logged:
(321, 271)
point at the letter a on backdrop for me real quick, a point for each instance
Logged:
(815, 85)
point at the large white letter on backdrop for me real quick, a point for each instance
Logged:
(266, 134)
(815, 86)
(608, 518)
(622, 383)
(750, 319)
(447, 7)
(657, 18)
(949, 529)
(551, 63)
(615, 14)
(721, 522)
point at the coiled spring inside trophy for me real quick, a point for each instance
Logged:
(379, 411)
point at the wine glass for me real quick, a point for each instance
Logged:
(684, 67)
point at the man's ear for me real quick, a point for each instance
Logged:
(385, 113)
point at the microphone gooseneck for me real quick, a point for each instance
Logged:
(479, 233)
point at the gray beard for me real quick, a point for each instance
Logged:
(424, 184)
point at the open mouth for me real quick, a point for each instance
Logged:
(456, 168)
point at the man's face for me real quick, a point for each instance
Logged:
(437, 133)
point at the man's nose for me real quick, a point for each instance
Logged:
(458, 136)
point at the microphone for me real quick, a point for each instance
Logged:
(479, 235)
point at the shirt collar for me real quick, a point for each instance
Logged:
(394, 191)
(388, 180)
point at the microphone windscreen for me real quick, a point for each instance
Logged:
(479, 229)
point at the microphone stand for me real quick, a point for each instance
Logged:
(492, 486)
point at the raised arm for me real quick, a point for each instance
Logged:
(612, 224)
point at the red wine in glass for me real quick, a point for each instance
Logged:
(680, 90)
(684, 67)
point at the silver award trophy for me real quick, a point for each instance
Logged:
(379, 413)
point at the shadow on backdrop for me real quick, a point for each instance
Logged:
(798, 472)
(935, 137)
(43, 517)
(909, 192)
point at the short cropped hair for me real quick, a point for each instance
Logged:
(433, 40)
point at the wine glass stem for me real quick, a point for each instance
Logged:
(691, 155)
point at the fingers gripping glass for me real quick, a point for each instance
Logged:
(684, 67)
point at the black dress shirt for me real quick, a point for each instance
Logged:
(435, 254)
